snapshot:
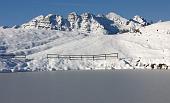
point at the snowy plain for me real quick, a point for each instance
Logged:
(108, 86)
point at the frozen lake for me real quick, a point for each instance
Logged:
(120, 86)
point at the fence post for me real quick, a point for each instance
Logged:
(81, 57)
(117, 56)
(47, 56)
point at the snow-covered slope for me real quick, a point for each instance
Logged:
(136, 50)
(158, 28)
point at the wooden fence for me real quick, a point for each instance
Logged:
(81, 57)
(69, 57)
(13, 56)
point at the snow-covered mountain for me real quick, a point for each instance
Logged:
(86, 22)
(49, 22)
(118, 20)
(84, 34)
(139, 20)
(136, 50)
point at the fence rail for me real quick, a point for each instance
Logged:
(81, 57)
(12, 56)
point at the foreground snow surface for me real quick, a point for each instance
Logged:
(136, 50)
(118, 86)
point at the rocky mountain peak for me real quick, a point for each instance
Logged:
(140, 20)
(87, 22)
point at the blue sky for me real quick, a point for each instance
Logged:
(19, 11)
